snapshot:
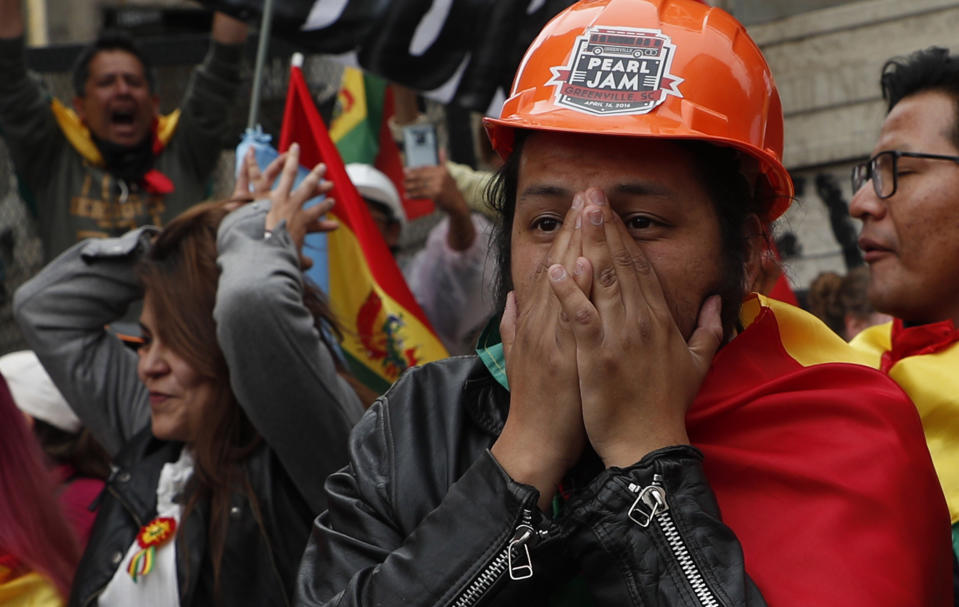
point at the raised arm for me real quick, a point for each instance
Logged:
(227, 30)
(62, 312)
(11, 19)
(455, 288)
(214, 88)
(26, 121)
(282, 374)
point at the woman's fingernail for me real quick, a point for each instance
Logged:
(579, 268)
(578, 200)
(579, 222)
(295, 147)
(595, 217)
(557, 273)
(596, 196)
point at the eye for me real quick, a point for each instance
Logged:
(546, 223)
(145, 344)
(640, 222)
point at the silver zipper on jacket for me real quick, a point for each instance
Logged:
(136, 519)
(520, 567)
(650, 505)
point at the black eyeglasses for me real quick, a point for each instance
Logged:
(883, 169)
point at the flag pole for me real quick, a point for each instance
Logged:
(261, 48)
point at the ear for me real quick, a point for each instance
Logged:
(762, 267)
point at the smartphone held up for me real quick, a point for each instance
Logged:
(420, 145)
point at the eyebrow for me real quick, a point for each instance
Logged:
(635, 188)
(545, 190)
(643, 188)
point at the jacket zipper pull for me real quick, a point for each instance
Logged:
(650, 501)
(520, 565)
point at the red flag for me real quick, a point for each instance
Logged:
(803, 444)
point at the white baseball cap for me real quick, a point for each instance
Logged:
(376, 186)
(34, 392)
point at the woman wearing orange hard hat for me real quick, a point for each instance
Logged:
(640, 430)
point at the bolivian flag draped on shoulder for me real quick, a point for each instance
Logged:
(384, 329)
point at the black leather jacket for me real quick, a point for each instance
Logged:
(256, 570)
(424, 515)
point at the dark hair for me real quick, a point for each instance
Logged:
(110, 40)
(823, 301)
(931, 69)
(719, 170)
(383, 208)
(853, 294)
(180, 276)
(832, 298)
(77, 449)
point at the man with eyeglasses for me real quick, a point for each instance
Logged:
(907, 196)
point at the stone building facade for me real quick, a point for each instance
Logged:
(826, 64)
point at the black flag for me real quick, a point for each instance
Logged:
(459, 51)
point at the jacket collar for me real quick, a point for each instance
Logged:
(485, 399)
(137, 490)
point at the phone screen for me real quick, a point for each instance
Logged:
(419, 145)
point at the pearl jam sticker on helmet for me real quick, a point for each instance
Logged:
(616, 71)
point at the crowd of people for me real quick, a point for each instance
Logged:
(623, 422)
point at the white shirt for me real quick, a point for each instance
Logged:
(159, 587)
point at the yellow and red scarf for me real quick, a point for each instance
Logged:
(924, 360)
(80, 138)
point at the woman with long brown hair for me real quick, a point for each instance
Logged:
(225, 421)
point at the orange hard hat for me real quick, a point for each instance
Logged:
(675, 69)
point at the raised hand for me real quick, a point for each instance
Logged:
(251, 183)
(436, 183)
(637, 373)
(287, 203)
(544, 435)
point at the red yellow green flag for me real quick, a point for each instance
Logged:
(803, 444)
(355, 128)
(385, 331)
(361, 132)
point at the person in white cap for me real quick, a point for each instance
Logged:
(78, 460)
(450, 276)
(34, 392)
